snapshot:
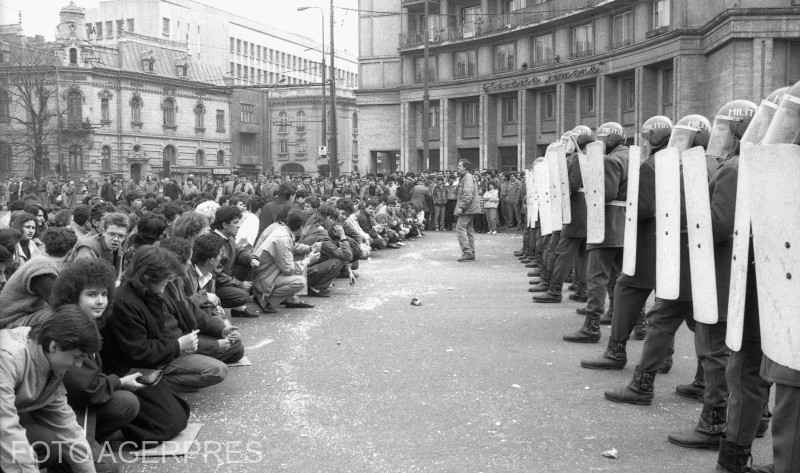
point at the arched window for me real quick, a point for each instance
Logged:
(105, 162)
(199, 158)
(220, 158)
(73, 56)
(169, 154)
(5, 156)
(105, 114)
(168, 108)
(355, 123)
(283, 127)
(136, 110)
(74, 109)
(199, 117)
(75, 158)
(300, 126)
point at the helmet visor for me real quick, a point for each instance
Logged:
(785, 127)
(760, 123)
(723, 138)
(682, 137)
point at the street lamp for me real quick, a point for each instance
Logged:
(324, 134)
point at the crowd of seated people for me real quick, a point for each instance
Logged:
(153, 277)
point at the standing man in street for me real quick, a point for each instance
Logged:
(467, 206)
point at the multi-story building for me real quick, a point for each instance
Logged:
(507, 77)
(250, 53)
(133, 107)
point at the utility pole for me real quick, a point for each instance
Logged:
(425, 95)
(333, 152)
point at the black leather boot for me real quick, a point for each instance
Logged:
(708, 432)
(605, 319)
(733, 458)
(696, 388)
(639, 391)
(589, 333)
(614, 358)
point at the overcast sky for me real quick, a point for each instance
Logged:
(41, 16)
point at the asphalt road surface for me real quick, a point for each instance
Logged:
(476, 379)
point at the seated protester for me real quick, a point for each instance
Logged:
(61, 218)
(359, 240)
(146, 333)
(232, 290)
(149, 229)
(108, 244)
(310, 206)
(325, 232)
(33, 407)
(171, 212)
(5, 259)
(387, 216)
(80, 223)
(283, 199)
(9, 237)
(300, 199)
(392, 237)
(410, 219)
(190, 225)
(367, 225)
(132, 203)
(27, 246)
(248, 225)
(110, 399)
(238, 203)
(28, 290)
(216, 338)
(96, 214)
(279, 274)
(41, 220)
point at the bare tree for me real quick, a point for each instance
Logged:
(29, 111)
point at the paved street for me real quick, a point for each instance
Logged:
(476, 379)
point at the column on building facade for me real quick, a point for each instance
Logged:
(529, 125)
(522, 99)
(647, 95)
(488, 132)
(566, 113)
(408, 148)
(607, 103)
(447, 130)
(762, 68)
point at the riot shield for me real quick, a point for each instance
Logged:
(551, 156)
(541, 178)
(632, 212)
(530, 199)
(741, 254)
(773, 172)
(563, 173)
(594, 183)
(701, 238)
(668, 223)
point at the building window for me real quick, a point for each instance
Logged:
(75, 158)
(355, 123)
(168, 109)
(588, 97)
(793, 64)
(165, 26)
(510, 110)
(301, 147)
(148, 65)
(105, 160)
(220, 121)
(504, 58)
(5, 105)
(667, 87)
(5, 156)
(548, 111)
(300, 126)
(283, 126)
(355, 148)
(283, 146)
(582, 39)
(543, 49)
(170, 155)
(419, 71)
(220, 158)
(465, 64)
(628, 95)
(98, 29)
(109, 29)
(233, 43)
(136, 110)
(248, 144)
(130, 25)
(660, 13)
(247, 113)
(183, 71)
(433, 116)
(199, 158)
(119, 27)
(199, 117)
(622, 32)
(74, 109)
(73, 56)
(470, 110)
(104, 112)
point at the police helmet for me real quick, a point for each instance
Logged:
(785, 127)
(690, 131)
(729, 127)
(582, 135)
(761, 120)
(612, 134)
(657, 130)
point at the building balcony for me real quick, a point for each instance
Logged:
(248, 160)
(494, 24)
(250, 128)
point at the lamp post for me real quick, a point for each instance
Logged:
(324, 134)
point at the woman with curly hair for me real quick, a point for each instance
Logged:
(26, 247)
(190, 225)
(9, 237)
(41, 218)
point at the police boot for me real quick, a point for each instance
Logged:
(640, 329)
(696, 388)
(535, 273)
(614, 358)
(762, 469)
(708, 432)
(639, 391)
(541, 287)
(763, 426)
(733, 458)
(519, 253)
(666, 362)
(605, 319)
(589, 333)
(535, 280)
